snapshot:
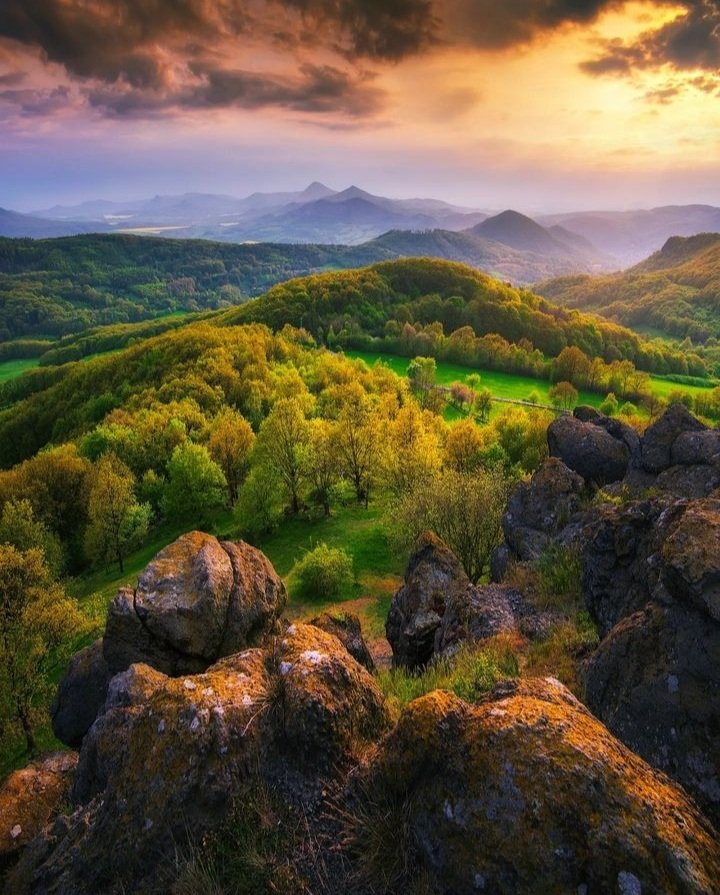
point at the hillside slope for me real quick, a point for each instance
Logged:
(676, 291)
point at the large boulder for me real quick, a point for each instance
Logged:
(589, 449)
(346, 627)
(80, 695)
(437, 608)
(199, 599)
(541, 511)
(660, 438)
(525, 793)
(32, 797)
(167, 758)
(655, 682)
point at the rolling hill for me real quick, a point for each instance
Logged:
(675, 292)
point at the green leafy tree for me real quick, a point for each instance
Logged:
(422, 375)
(20, 528)
(358, 440)
(231, 441)
(281, 444)
(38, 625)
(116, 521)
(320, 461)
(564, 395)
(196, 484)
(323, 572)
(483, 404)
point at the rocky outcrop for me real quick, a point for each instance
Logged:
(168, 756)
(651, 575)
(529, 793)
(80, 695)
(437, 608)
(656, 452)
(198, 600)
(32, 797)
(589, 448)
(346, 627)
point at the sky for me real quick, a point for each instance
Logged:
(540, 105)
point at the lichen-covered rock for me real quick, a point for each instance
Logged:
(165, 760)
(199, 599)
(540, 510)
(433, 577)
(588, 449)
(346, 627)
(32, 797)
(655, 682)
(437, 608)
(80, 695)
(659, 439)
(690, 557)
(529, 793)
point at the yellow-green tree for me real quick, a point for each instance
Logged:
(320, 461)
(116, 521)
(281, 444)
(230, 444)
(358, 439)
(38, 623)
(464, 446)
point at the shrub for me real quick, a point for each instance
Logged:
(324, 571)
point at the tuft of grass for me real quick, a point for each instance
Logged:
(561, 652)
(470, 673)
(554, 581)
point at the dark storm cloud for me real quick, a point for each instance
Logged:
(318, 89)
(692, 41)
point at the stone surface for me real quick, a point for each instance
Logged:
(588, 449)
(199, 599)
(540, 510)
(437, 608)
(655, 682)
(529, 793)
(346, 627)
(32, 797)
(168, 756)
(81, 694)
(659, 438)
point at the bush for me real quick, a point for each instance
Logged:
(324, 571)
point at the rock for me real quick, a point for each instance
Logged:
(655, 682)
(80, 695)
(657, 443)
(588, 449)
(346, 627)
(690, 557)
(688, 481)
(529, 793)
(433, 577)
(30, 798)
(484, 612)
(167, 758)
(199, 599)
(539, 511)
(696, 447)
(587, 414)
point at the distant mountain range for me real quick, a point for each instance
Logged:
(590, 242)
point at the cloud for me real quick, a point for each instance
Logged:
(689, 42)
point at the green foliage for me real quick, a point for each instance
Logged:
(323, 572)
(20, 529)
(610, 405)
(261, 502)
(196, 484)
(559, 578)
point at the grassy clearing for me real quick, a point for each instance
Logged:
(11, 369)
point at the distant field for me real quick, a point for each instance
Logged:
(10, 369)
(502, 385)
(509, 385)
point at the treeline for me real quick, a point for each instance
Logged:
(351, 306)
(56, 287)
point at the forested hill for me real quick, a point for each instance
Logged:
(380, 300)
(54, 287)
(675, 292)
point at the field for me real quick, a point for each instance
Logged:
(10, 369)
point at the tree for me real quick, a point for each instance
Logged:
(422, 373)
(563, 395)
(320, 461)
(116, 521)
(38, 624)
(231, 440)
(610, 405)
(281, 443)
(571, 365)
(358, 440)
(462, 395)
(411, 454)
(483, 404)
(196, 483)
(463, 447)
(20, 528)
(464, 510)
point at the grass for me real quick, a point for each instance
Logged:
(11, 369)
(510, 385)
